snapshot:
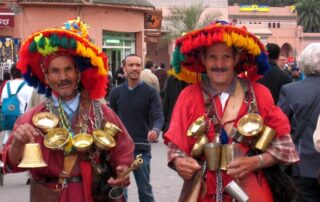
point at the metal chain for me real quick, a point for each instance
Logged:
(219, 196)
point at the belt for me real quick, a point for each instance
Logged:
(68, 180)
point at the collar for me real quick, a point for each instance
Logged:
(69, 106)
(132, 88)
(206, 85)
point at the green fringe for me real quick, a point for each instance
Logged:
(33, 47)
(54, 40)
(73, 44)
(64, 42)
(177, 58)
(42, 42)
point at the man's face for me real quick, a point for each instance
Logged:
(133, 68)
(220, 61)
(62, 77)
(282, 61)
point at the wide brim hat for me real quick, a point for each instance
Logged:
(71, 39)
(186, 60)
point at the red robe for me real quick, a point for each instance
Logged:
(122, 154)
(190, 106)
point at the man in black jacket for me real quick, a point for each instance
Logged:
(275, 78)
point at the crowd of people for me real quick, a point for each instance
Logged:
(224, 90)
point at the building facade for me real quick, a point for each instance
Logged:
(115, 26)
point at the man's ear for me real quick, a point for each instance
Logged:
(237, 57)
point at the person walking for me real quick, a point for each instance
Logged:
(138, 106)
(216, 105)
(300, 101)
(55, 61)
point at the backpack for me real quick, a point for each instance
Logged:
(10, 109)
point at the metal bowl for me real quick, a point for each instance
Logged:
(197, 128)
(112, 129)
(82, 142)
(103, 140)
(45, 120)
(250, 125)
(56, 139)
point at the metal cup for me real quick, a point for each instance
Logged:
(234, 190)
(232, 151)
(212, 153)
(265, 138)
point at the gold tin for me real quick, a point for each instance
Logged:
(265, 138)
(197, 128)
(198, 147)
(250, 125)
(82, 142)
(56, 139)
(112, 129)
(103, 140)
(45, 120)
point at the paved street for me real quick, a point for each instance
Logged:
(166, 183)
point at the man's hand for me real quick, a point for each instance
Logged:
(121, 181)
(186, 167)
(241, 167)
(24, 134)
(153, 136)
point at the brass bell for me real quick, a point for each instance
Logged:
(32, 157)
(197, 128)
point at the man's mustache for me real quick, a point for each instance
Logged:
(64, 82)
(218, 69)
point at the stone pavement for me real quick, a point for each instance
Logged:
(166, 183)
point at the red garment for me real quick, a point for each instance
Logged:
(122, 154)
(190, 106)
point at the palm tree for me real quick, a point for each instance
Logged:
(309, 15)
(185, 19)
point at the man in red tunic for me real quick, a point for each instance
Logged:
(223, 97)
(65, 62)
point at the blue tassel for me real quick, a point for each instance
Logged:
(223, 137)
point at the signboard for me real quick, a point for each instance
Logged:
(255, 8)
(6, 19)
(152, 39)
(152, 33)
(153, 19)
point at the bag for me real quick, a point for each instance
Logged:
(10, 109)
(40, 193)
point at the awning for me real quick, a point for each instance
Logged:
(6, 19)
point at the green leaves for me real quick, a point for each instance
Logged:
(309, 15)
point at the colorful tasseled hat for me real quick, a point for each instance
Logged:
(71, 39)
(186, 61)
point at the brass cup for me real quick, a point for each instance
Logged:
(232, 152)
(198, 147)
(223, 160)
(82, 142)
(234, 190)
(102, 140)
(212, 153)
(112, 129)
(250, 125)
(56, 139)
(45, 120)
(265, 138)
(197, 128)
(32, 157)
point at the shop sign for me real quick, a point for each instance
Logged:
(151, 39)
(6, 19)
(152, 33)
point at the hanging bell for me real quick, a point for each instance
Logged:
(197, 128)
(32, 157)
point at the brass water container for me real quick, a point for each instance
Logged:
(32, 157)
(56, 138)
(102, 140)
(112, 129)
(82, 142)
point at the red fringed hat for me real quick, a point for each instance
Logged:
(71, 39)
(186, 62)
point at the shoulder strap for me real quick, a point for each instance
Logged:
(8, 89)
(20, 86)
